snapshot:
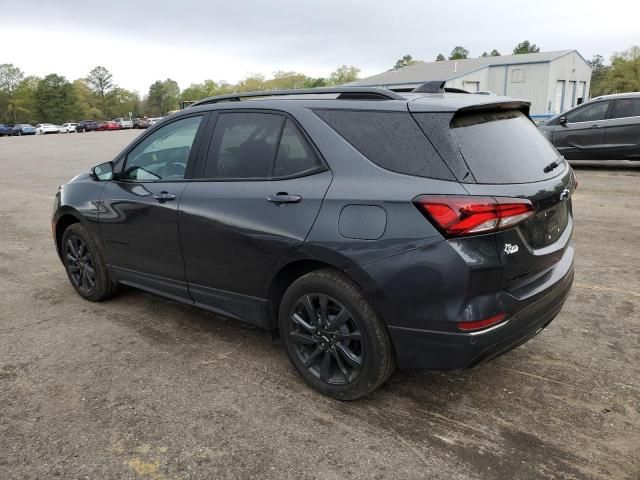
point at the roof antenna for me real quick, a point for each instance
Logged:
(434, 86)
(455, 66)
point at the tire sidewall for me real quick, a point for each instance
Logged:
(101, 287)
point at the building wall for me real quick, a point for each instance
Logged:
(567, 69)
(473, 81)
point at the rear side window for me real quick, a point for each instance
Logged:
(503, 147)
(295, 156)
(391, 140)
(626, 107)
(244, 145)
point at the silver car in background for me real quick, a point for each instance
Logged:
(606, 128)
(123, 122)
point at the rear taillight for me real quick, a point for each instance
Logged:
(467, 215)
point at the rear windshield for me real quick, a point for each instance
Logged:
(391, 140)
(503, 147)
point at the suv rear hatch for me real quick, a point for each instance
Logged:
(495, 150)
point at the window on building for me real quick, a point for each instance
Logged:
(517, 75)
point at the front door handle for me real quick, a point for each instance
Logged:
(595, 126)
(164, 196)
(283, 197)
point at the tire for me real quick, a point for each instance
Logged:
(345, 352)
(78, 243)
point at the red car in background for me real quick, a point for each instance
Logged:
(108, 125)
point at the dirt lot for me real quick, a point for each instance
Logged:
(141, 387)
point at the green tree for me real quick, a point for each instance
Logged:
(624, 74)
(405, 61)
(440, 58)
(494, 53)
(526, 47)
(315, 82)
(10, 79)
(100, 81)
(54, 99)
(343, 74)
(122, 101)
(163, 97)
(88, 104)
(252, 83)
(459, 53)
(286, 80)
(25, 100)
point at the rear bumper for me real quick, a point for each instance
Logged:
(426, 349)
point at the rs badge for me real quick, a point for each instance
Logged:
(509, 249)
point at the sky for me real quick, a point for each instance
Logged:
(141, 41)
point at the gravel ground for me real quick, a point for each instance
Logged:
(141, 387)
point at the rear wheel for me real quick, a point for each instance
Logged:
(85, 265)
(333, 337)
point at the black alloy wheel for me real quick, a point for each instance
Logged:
(80, 264)
(327, 339)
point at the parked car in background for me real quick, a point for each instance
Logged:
(108, 125)
(154, 120)
(68, 127)
(46, 128)
(87, 126)
(5, 130)
(123, 123)
(22, 129)
(141, 123)
(371, 229)
(606, 128)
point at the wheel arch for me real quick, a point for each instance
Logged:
(66, 218)
(290, 272)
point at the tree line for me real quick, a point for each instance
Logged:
(31, 99)
(54, 99)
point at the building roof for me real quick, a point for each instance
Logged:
(448, 69)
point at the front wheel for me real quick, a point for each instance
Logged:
(333, 336)
(85, 265)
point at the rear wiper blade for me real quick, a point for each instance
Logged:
(552, 165)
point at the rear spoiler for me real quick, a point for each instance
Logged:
(521, 105)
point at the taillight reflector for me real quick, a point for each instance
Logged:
(466, 215)
(480, 324)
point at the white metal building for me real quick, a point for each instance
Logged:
(552, 81)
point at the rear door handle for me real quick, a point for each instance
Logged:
(283, 197)
(164, 196)
(595, 126)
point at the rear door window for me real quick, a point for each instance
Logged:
(244, 145)
(503, 147)
(626, 107)
(391, 140)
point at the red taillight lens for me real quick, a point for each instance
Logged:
(480, 324)
(468, 215)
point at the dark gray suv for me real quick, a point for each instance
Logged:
(370, 229)
(606, 128)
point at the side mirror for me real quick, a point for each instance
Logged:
(562, 121)
(102, 172)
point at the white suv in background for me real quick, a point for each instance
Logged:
(123, 122)
(68, 127)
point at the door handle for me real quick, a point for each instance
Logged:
(283, 197)
(595, 126)
(164, 196)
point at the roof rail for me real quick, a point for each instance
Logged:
(345, 93)
(437, 86)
